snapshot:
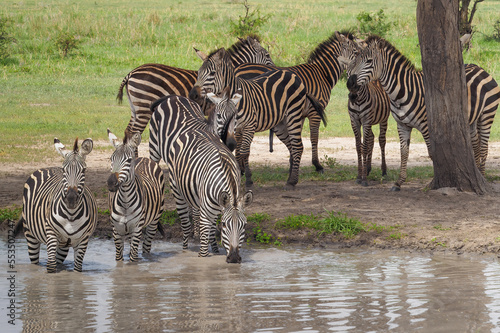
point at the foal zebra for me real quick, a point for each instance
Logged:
(149, 82)
(58, 209)
(203, 174)
(404, 85)
(135, 196)
(275, 99)
(319, 75)
(368, 105)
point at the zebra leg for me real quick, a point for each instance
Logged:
(33, 247)
(382, 141)
(404, 143)
(205, 230)
(476, 144)
(245, 154)
(356, 128)
(51, 251)
(62, 253)
(118, 239)
(195, 215)
(314, 123)
(79, 254)
(213, 239)
(135, 240)
(367, 152)
(484, 129)
(296, 152)
(149, 234)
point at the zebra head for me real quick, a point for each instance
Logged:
(233, 222)
(73, 168)
(215, 74)
(122, 159)
(350, 46)
(225, 115)
(249, 50)
(367, 66)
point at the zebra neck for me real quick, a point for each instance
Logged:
(129, 195)
(400, 81)
(61, 212)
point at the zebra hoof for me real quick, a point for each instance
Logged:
(395, 188)
(358, 181)
(319, 169)
(289, 187)
(364, 183)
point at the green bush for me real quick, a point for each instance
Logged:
(374, 23)
(250, 24)
(496, 31)
(66, 43)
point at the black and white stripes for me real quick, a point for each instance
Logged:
(58, 209)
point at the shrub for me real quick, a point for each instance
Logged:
(496, 31)
(374, 23)
(66, 43)
(250, 24)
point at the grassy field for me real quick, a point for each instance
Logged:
(44, 94)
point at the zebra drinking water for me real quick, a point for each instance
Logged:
(58, 209)
(203, 174)
(135, 197)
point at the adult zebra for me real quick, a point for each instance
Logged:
(58, 209)
(203, 173)
(149, 82)
(275, 99)
(368, 105)
(319, 75)
(135, 197)
(404, 85)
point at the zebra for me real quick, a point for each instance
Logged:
(203, 173)
(58, 209)
(275, 99)
(368, 105)
(135, 196)
(404, 84)
(149, 82)
(319, 75)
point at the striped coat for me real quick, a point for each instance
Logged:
(136, 196)
(275, 99)
(59, 210)
(405, 88)
(203, 174)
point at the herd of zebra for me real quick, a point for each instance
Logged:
(198, 118)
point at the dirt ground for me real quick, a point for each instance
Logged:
(414, 219)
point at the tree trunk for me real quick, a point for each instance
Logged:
(446, 97)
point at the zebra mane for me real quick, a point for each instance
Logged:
(384, 44)
(75, 145)
(241, 43)
(326, 45)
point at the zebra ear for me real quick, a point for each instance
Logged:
(343, 60)
(247, 199)
(236, 97)
(214, 98)
(86, 148)
(200, 54)
(135, 140)
(60, 148)
(113, 139)
(340, 37)
(224, 199)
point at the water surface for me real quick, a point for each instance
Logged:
(273, 290)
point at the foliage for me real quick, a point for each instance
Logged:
(258, 234)
(66, 43)
(5, 39)
(496, 31)
(332, 223)
(169, 217)
(13, 213)
(373, 23)
(250, 24)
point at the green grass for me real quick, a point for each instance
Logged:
(45, 95)
(329, 223)
(13, 213)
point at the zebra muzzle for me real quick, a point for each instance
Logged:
(71, 198)
(233, 256)
(352, 83)
(113, 183)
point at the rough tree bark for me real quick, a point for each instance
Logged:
(446, 97)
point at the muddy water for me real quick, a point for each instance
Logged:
(273, 290)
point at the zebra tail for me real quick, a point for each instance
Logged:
(318, 107)
(271, 136)
(160, 229)
(18, 227)
(119, 97)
